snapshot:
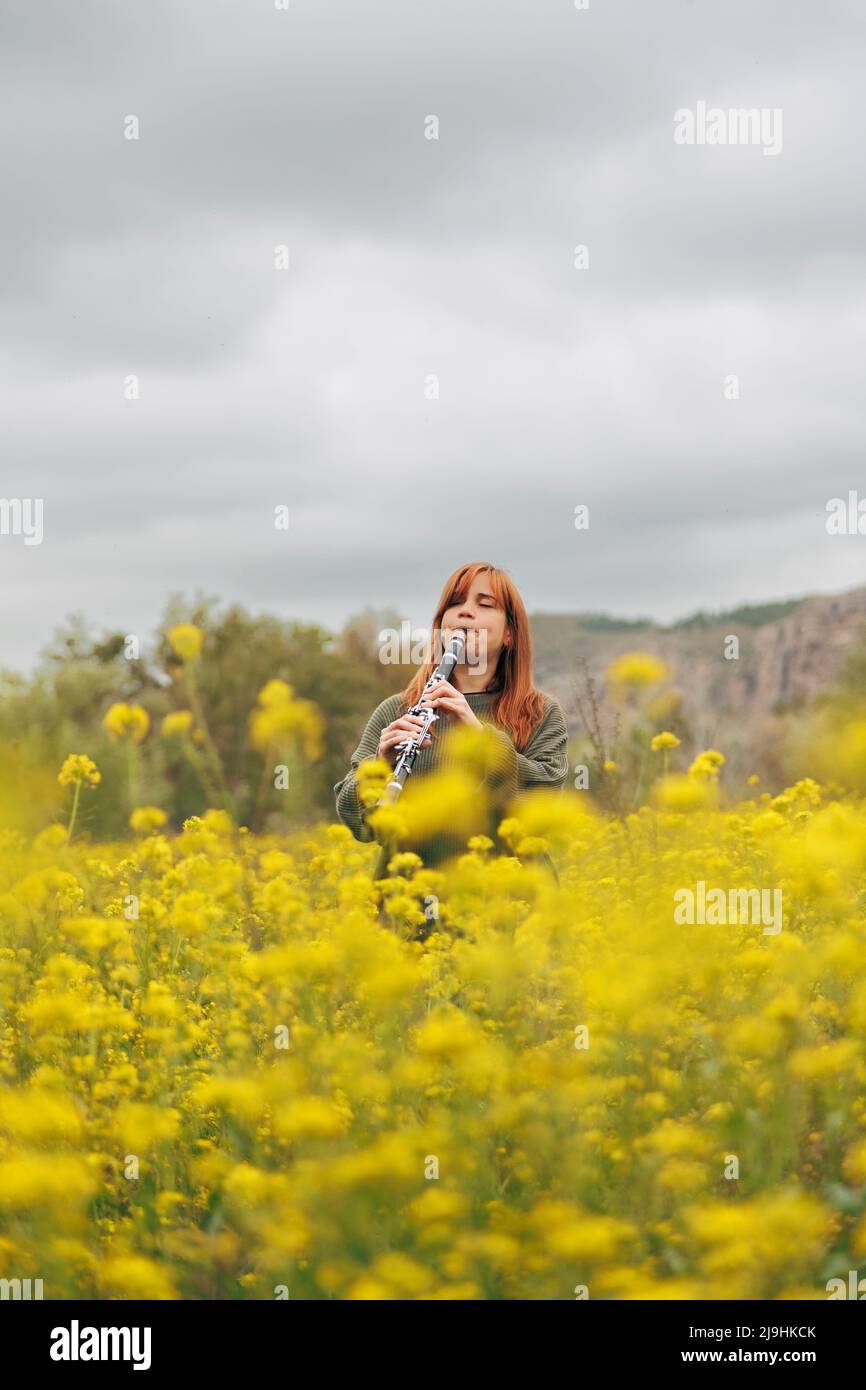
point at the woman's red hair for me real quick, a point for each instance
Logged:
(518, 706)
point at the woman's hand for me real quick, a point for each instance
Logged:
(444, 697)
(395, 733)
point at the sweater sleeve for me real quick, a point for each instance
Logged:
(349, 807)
(544, 760)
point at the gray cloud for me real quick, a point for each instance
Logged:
(411, 257)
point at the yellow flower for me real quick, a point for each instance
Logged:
(370, 1290)
(754, 1237)
(147, 818)
(309, 1116)
(573, 1235)
(243, 1097)
(177, 723)
(134, 1277)
(142, 1127)
(447, 1035)
(707, 764)
(438, 1204)
(275, 692)
(218, 821)
(405, 1275)
(96, 933)
(371, 778)
(79, 768)
(55, 1181)
(834, 747)
(51, 837)
(39, 1114)
(281, 720)
(827, 1063)
(126, 721)
(247, 1186)
(480, 844)
(207, 1003)
(449, 801)
(167, 1202)
(682, 793)
(186, 641)
(636, 670)
(664, 740)
(388, 823)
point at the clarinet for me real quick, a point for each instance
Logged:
(410, 746)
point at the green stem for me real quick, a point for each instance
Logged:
(132, 770)
(637, 789)
(71, 826)
(263, 781)
(210, 746)
(200, 771)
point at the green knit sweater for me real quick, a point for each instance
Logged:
(542, 763)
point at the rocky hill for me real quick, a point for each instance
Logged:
(788, 653)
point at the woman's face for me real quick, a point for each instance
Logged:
(483, 620)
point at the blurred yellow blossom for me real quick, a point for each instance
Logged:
(78, 768)
(229, 1062)
(177, 723)
(186, 641)
(147, 818)
(637, 670)
(127, 721)
(280, 720)
(707, 764)
(664, 740)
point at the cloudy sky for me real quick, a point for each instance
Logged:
(412, 258)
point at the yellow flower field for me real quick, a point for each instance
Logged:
(227, 1074)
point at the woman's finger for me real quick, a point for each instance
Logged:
(395, 732)
(399, 738)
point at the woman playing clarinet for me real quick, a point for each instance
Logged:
(491, 687)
